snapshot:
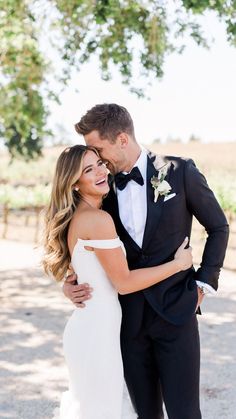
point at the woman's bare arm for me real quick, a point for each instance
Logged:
(115, 264)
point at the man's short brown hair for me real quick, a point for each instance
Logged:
(108, 119)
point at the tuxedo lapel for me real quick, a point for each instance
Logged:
(154, 209)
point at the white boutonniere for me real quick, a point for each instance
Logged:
(160, 185)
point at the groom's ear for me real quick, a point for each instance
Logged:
(123, 139)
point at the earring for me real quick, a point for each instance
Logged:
(76, 189)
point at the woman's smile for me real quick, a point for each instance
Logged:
(102, 181)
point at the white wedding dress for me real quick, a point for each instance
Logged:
(91, 344)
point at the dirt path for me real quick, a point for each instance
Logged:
(33, 315)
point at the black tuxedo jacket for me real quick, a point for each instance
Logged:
(167, 224)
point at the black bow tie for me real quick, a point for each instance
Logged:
(121, 179)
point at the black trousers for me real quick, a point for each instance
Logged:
(161, 363)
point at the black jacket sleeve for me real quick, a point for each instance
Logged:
(203, 205)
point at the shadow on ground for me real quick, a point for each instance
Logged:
(33, 374)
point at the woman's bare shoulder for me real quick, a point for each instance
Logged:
(93, 224)
(103, 226)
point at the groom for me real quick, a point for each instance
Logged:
(159, 334)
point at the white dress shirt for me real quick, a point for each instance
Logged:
(132, 202)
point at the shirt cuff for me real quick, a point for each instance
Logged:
(207, 289)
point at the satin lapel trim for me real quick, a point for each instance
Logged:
(154, 209)
(113, 201)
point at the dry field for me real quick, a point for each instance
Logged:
(218, 158)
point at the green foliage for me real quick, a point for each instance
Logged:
(227, 200)
(23, 197)
(226, 195)
(226, 10)
(22, 110)
(223, 185)
(132, 35)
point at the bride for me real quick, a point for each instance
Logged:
(80, 233)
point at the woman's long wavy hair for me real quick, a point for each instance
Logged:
(59, 212)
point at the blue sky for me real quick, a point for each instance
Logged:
(196, 95)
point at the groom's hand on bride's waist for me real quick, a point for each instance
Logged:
(77, 293)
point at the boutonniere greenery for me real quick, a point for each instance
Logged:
(160, 185)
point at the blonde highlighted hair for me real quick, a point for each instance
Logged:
(59, 212)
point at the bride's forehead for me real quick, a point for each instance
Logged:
(90, 157)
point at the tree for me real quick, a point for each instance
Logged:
(194, 139)
(108, 28)
(22, 109)
(125, 33)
